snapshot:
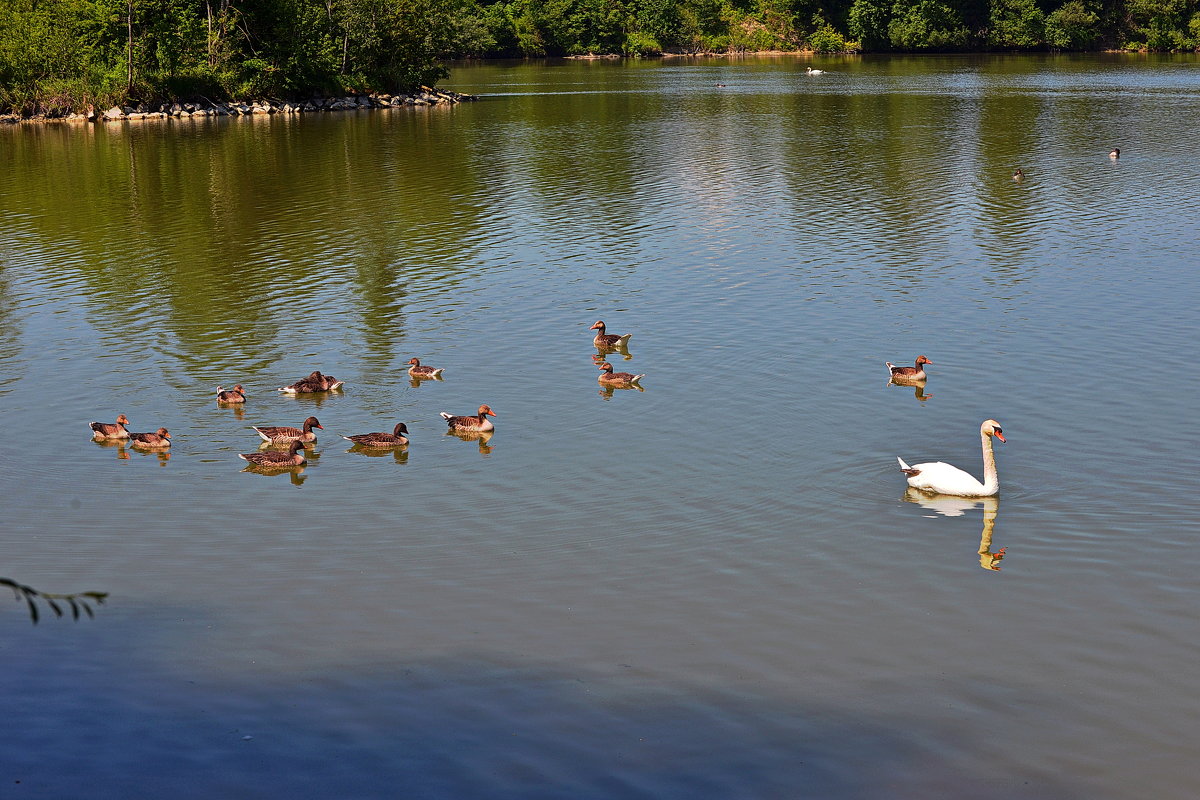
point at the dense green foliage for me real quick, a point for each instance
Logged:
(60, 53)
(64, 53)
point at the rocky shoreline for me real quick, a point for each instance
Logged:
(235, 108)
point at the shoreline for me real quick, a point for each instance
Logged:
(237, 108)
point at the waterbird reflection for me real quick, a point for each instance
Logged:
(161, 453)
(237, 409)
(295, 474)
(415, 382)
(117, 444)
(952, 506)
(398, 454)
(621, 350)
(318, 399)
(918, 387)
(482, 437)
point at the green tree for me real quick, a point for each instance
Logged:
(868, 23)
(926, 25)
(1072, 26)
(1016, 23)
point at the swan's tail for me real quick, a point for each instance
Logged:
(906, 469)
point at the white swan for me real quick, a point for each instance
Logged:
(939, 478)
(811, 71)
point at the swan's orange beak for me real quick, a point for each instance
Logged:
(1000, 436)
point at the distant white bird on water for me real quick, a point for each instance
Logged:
(811, 71)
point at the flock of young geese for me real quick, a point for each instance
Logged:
(296, 438)
(932, 477)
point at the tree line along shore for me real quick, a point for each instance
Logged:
(59, 57)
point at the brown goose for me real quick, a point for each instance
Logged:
(610, 378)
(111, 430)
(234, 395)
(283, 435)
(394, 439)
(913, 373)
(159, 438)
(276, 459)
(609, 340)
(314, 382)
(475, 424)
(417, 371)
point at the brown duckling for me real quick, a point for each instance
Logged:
(160, 438)
(417, 371)
(275, 459)
(610, 378)
(234, 395)
(283, 435)
(313, 383)
(608, 340)
(475, 424)
(111, 430)
(913, 373)
(394, 439)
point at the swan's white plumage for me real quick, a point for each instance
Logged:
(940, 478)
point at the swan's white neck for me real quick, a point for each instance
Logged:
(991, 481)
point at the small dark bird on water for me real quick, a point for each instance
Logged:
(1115, 153)
(1018, 174)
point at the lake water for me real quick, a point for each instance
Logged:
(713, 588)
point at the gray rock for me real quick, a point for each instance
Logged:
(114, 113)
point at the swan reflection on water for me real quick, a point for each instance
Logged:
(483, 437)
(918, 387)
(952, 506)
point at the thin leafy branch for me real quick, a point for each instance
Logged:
(79, 602)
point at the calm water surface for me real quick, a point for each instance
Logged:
(715, 587)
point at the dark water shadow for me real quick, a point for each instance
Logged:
(127, 723)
